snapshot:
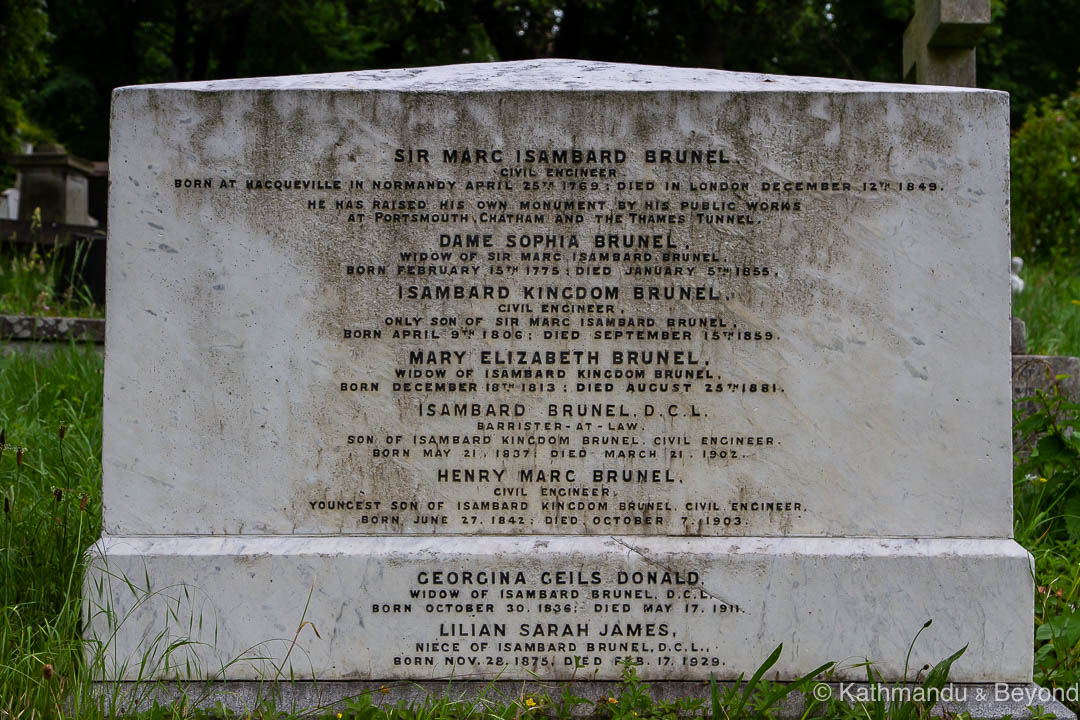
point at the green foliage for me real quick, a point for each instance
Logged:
(1046, 182)
(1050, 308)
(24, 27)
(103, 44)
(168, 40)
(31, 282)
(1057, 621)
(24, 35)
(1046, 473)
(901, 700)
(1029, 51)
(634, 700)
(1046, 504)
(756, 697)
(50, 479)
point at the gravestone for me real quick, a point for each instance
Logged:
(519, 370)
(1051, 374)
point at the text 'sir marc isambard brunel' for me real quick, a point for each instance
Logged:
(563, 340)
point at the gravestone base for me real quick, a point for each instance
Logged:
(395, 608)
(979, 700)
(43, 335)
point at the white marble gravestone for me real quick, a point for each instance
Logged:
(507, 370)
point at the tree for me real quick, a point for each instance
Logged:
(102, 44)
(24, 38)
(1030, 52)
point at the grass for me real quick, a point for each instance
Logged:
(50, 478)
(1046, 503)
(40, 282)
(1047, 476)
(1050, 307)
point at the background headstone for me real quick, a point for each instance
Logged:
(51, 209)
(54, 182)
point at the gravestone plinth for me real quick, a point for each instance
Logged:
(55, 183)
(520, 370)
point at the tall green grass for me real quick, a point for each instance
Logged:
(40, 282)
(1050, 307)
(50, 479)
(1046, 511)
(1047, 475)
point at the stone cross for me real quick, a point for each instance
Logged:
(939, 43)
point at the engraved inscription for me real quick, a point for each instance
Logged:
(565, 339)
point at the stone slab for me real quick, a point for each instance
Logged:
(1032, 373)
(344, 608)
(55, 184)
(835, 320)
(51, 329)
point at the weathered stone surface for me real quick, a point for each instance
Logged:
(368, 327)
(850, 304)
(687, 607)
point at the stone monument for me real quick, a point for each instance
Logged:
(54, 182)
(939, 42)
(521, 370)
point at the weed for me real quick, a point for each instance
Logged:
(903, 700)
(45, 282)
(51, 513)
(634, 700)
(757, 698)
(1050, 308)
(1046, 510)
(1046, 472)
(1057, 621)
